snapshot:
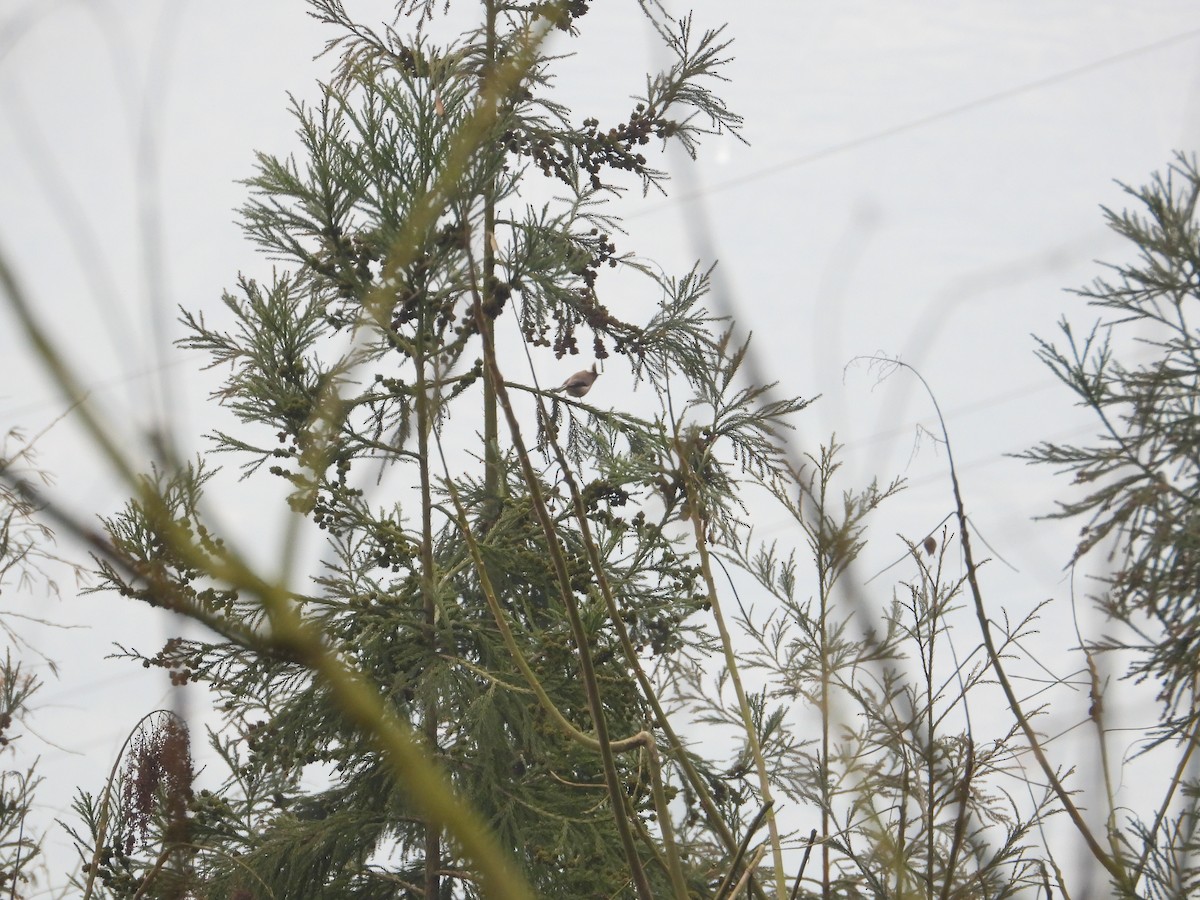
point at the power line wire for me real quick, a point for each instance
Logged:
(13, 413)
(921, 122)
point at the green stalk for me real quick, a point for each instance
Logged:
(433, 848)
(760, 764)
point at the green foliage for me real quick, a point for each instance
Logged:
(404, 247)
(1138, 370)
(27, 560)
(1142, 478)
(865, 717)
(512, 668)
(20, 846)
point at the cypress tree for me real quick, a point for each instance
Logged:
(510, 570)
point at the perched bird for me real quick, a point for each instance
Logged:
(581, 382)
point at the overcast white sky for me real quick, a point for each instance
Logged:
(921, 179)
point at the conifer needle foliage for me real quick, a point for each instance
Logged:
(503, 568)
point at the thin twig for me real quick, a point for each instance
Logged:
(812, 836)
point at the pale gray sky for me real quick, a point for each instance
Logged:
(922, 179)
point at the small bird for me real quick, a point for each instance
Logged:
(581, 382)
